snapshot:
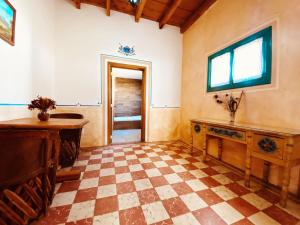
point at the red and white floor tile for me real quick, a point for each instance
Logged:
(161, 184)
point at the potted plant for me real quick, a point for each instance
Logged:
(43, 104)
(230, 103)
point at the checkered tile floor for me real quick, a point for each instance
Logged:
(161, 184)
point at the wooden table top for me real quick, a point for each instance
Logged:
(253, 127)
(52, 124)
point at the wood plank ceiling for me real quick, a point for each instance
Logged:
(180, 13)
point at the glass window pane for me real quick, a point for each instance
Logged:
(220, 70)
(248, 61)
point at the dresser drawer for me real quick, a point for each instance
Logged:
(227, 133)
(268, 145)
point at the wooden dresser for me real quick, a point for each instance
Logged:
(27, 187)
(277, 146)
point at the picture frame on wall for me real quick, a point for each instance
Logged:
(7, 22)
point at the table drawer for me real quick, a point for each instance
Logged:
(228, 133)
(268, 145)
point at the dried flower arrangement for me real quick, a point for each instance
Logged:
(43, 104)
(230, 103)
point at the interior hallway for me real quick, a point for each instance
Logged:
(126, 136)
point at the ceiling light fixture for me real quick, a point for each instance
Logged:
(134, 3)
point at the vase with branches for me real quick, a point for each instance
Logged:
(43, 104)
(230, 103)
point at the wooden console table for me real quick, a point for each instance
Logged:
(53, 125)
(278, 146)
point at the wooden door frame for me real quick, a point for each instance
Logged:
(111, 65)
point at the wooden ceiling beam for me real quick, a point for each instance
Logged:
(139, 10)
(167, 16)
(78, 4)
(199, 12)
(108, 7)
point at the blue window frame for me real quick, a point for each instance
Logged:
(243, 64)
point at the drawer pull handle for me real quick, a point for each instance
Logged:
(267, 145)
(197, 128)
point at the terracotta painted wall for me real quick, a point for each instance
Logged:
(12, 112)
(163, 125)
(277, 105)
(93, 132)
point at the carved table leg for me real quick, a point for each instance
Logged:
(285, 184)
(286, 173)
(55, 145)
(248, 160)
(220, 148)
(266, 171)
(204, 144)
(299, 186)
(192, 139)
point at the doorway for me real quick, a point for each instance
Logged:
(126, 103)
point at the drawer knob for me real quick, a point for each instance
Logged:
(197, 128)
(267, 145)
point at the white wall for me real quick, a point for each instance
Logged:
(83, 35)
(27, 69)
(49, 32)
(126, 73)
(15, 66)
(58, 54)
(43, 46)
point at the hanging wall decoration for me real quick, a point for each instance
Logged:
(7, 22)
(126, 50)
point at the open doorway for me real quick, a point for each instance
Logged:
(126, 101)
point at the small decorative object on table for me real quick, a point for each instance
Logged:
(43, 104)
(230, 103)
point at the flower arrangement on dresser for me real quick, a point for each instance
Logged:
(230, 103)
(43, 104)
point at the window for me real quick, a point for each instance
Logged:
(243, 64)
